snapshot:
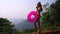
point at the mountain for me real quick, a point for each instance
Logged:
(22, 24)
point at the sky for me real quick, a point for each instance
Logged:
(19, 8)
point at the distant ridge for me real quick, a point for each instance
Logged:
(22, 24)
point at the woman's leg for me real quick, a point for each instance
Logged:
(39, 26)
(35, 27)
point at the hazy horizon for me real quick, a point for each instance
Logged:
(18, 9)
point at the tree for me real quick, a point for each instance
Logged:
(56, 7)
(6, 27)
(51, 18)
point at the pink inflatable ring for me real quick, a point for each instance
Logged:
(32, 16)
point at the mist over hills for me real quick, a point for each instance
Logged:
(22, 24)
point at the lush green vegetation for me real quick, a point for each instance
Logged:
(51, 19)
(27, 31)
(6, 27)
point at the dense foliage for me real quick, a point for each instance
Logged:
(6, 27)
(51, 18)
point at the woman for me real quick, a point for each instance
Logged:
(39, 9)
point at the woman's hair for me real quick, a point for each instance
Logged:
(39, 3)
